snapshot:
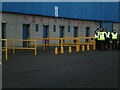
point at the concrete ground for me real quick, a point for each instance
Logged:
(88, 69)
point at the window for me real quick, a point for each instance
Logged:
(54, 28)
(36, 27)
(68, 28)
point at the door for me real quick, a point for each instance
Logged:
(106, 25)
(87, 33)
(3, 33)
(45, 33)
(61, 33)
(25, 33)
(75, 33)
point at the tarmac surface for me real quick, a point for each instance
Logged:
(88, 69)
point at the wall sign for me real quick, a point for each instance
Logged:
(78, 22)
(41, 19)
(56, 11)
(25, 18)
(33, 19)
(69, 22)
(55, 20)
(48, 19)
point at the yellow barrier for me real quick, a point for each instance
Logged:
(62, 42)
(70, 49)
(14, 47)
(83, 48)
(77, 48)
(5, 48)
(62, 50)
(88, 47)
(56, 50)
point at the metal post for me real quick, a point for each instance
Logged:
(56, 50)
(13, 45)
(6, 50)
(94, 47)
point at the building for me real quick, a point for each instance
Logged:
(22, 20)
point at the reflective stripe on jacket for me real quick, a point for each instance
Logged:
(114, 35)
(107, 34)
(102, 36)
(97, 35)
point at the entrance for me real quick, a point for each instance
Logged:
(3, 33)
(61, 33)
(26, 32)
(75, 33)
(45, 33)
(87, 33)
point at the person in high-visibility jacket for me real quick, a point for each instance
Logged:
(107, 39)
(101, 39)
(119, 41)
(114, 37)
(96, 38)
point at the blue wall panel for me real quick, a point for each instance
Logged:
(107, 11)
(107, 25)
(119, 12)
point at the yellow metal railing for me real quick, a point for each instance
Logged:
(62, 43)
(91, 41)
(5, 48)
(14, 46)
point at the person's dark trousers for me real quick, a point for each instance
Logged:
(97, 44)
(107, 43)
(114, 44)
(119, 45)
(102, 45)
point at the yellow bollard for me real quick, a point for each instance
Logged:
(88, 47)
(43, 47)
(83, 48)
(77, 48)
(94, 47)
(62, 50)
(56, 50)
(70, 49)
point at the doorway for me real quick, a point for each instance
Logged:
(87, 33)
(3, 33)
(26, 33)
(45, 33)
(75, 33)
(61, 33)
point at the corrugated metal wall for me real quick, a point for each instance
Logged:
(107, 25)
(107, 11)
(119, 12)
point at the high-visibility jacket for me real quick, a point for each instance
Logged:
(114, 35)
(107, 34)
(97, 34)
(101, 36)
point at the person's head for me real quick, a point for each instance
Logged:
(102, 30)
(106, 30)
(114, 31)
(97, 29)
